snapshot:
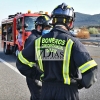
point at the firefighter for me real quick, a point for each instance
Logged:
(41, 28)
(61, 57)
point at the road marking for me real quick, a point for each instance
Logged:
(10, 66)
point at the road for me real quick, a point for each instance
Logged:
(13, 85)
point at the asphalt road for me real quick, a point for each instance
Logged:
(13, 85)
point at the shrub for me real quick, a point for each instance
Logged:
(93, 30)
(0, 31)
(83, 33)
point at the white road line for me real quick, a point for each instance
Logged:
(10, 66)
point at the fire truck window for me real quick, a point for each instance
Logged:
(9, 32)
(4, 31)
(30, 22)
(19, 23)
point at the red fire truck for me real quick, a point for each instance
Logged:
(15, 30)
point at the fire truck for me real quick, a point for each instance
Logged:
(15, 30)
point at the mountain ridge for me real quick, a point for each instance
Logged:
(82, 19)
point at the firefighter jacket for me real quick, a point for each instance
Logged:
(59, 56)
(35, 34)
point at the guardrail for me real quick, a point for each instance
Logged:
(95, 35)
(91, 41)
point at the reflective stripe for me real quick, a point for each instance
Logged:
(25, 61)
(47, 18)
(41, 77)
(66, 61)
(37, 49)
(87, 66)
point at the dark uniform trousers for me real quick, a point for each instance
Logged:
(35, 90)
(33, 87)
(65, 92)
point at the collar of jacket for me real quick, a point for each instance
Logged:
(36, 32)
(59, 28)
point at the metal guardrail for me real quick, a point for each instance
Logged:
(95, 35)
(91, 41)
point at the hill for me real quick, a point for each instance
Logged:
(86, 20)
(82, 19)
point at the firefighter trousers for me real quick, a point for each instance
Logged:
(34, 89)
(59, 91)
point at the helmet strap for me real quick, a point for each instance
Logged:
(67, 26)
(70, 25)
(38, 28)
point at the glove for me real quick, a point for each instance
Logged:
(79, 83)
(38, 82)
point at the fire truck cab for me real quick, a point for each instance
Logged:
(15, 30)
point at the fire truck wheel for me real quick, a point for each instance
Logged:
(6, 51)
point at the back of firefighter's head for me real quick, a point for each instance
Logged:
(42, 22)
(63, 15)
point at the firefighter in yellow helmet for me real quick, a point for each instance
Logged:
(59, 56)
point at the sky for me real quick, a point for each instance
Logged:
(8, 7)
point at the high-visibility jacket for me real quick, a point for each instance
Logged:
(59, 56)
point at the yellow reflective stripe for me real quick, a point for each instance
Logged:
(41, 77)
(47, 18)
(37, 49)
(25, 61)
(87, 66)
(66, 61)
